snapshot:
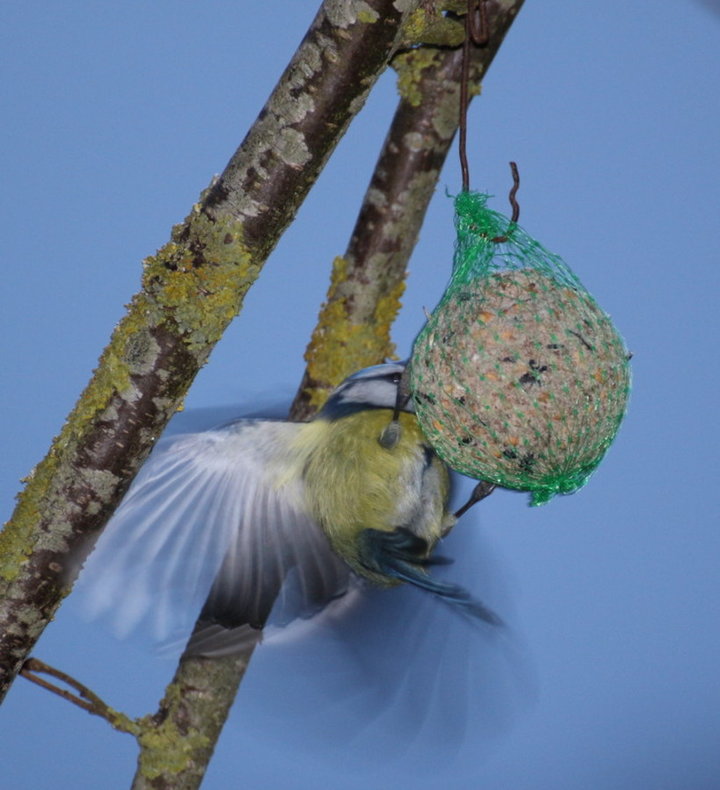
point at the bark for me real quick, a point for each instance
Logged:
(192, 288)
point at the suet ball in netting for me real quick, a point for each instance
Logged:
(519, 377)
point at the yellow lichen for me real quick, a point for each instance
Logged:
(198, 284)
(410, 66)
(367, 14)
(339, 346)
(428, 26)
(165, 749)
(111, 376)
(15, 547)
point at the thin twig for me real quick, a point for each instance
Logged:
(84, 698)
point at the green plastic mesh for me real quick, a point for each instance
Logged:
(519, 377)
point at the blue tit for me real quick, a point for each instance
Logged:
(270, 521)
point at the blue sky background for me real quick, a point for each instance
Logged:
(116, 115)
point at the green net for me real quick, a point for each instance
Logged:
(519, 377)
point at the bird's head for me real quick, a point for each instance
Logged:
(371, 388)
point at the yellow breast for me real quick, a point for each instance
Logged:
(352, 483)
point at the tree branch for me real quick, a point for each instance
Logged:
(176, 749)
(192, 288)
(353, 329)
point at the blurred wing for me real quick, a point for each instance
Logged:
(214, 520)
(406, 677)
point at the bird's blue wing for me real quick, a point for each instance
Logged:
(214, 521)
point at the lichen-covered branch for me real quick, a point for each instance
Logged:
(192, 288)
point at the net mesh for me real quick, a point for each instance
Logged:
(519, 377)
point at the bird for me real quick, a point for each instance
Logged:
(268, 522)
